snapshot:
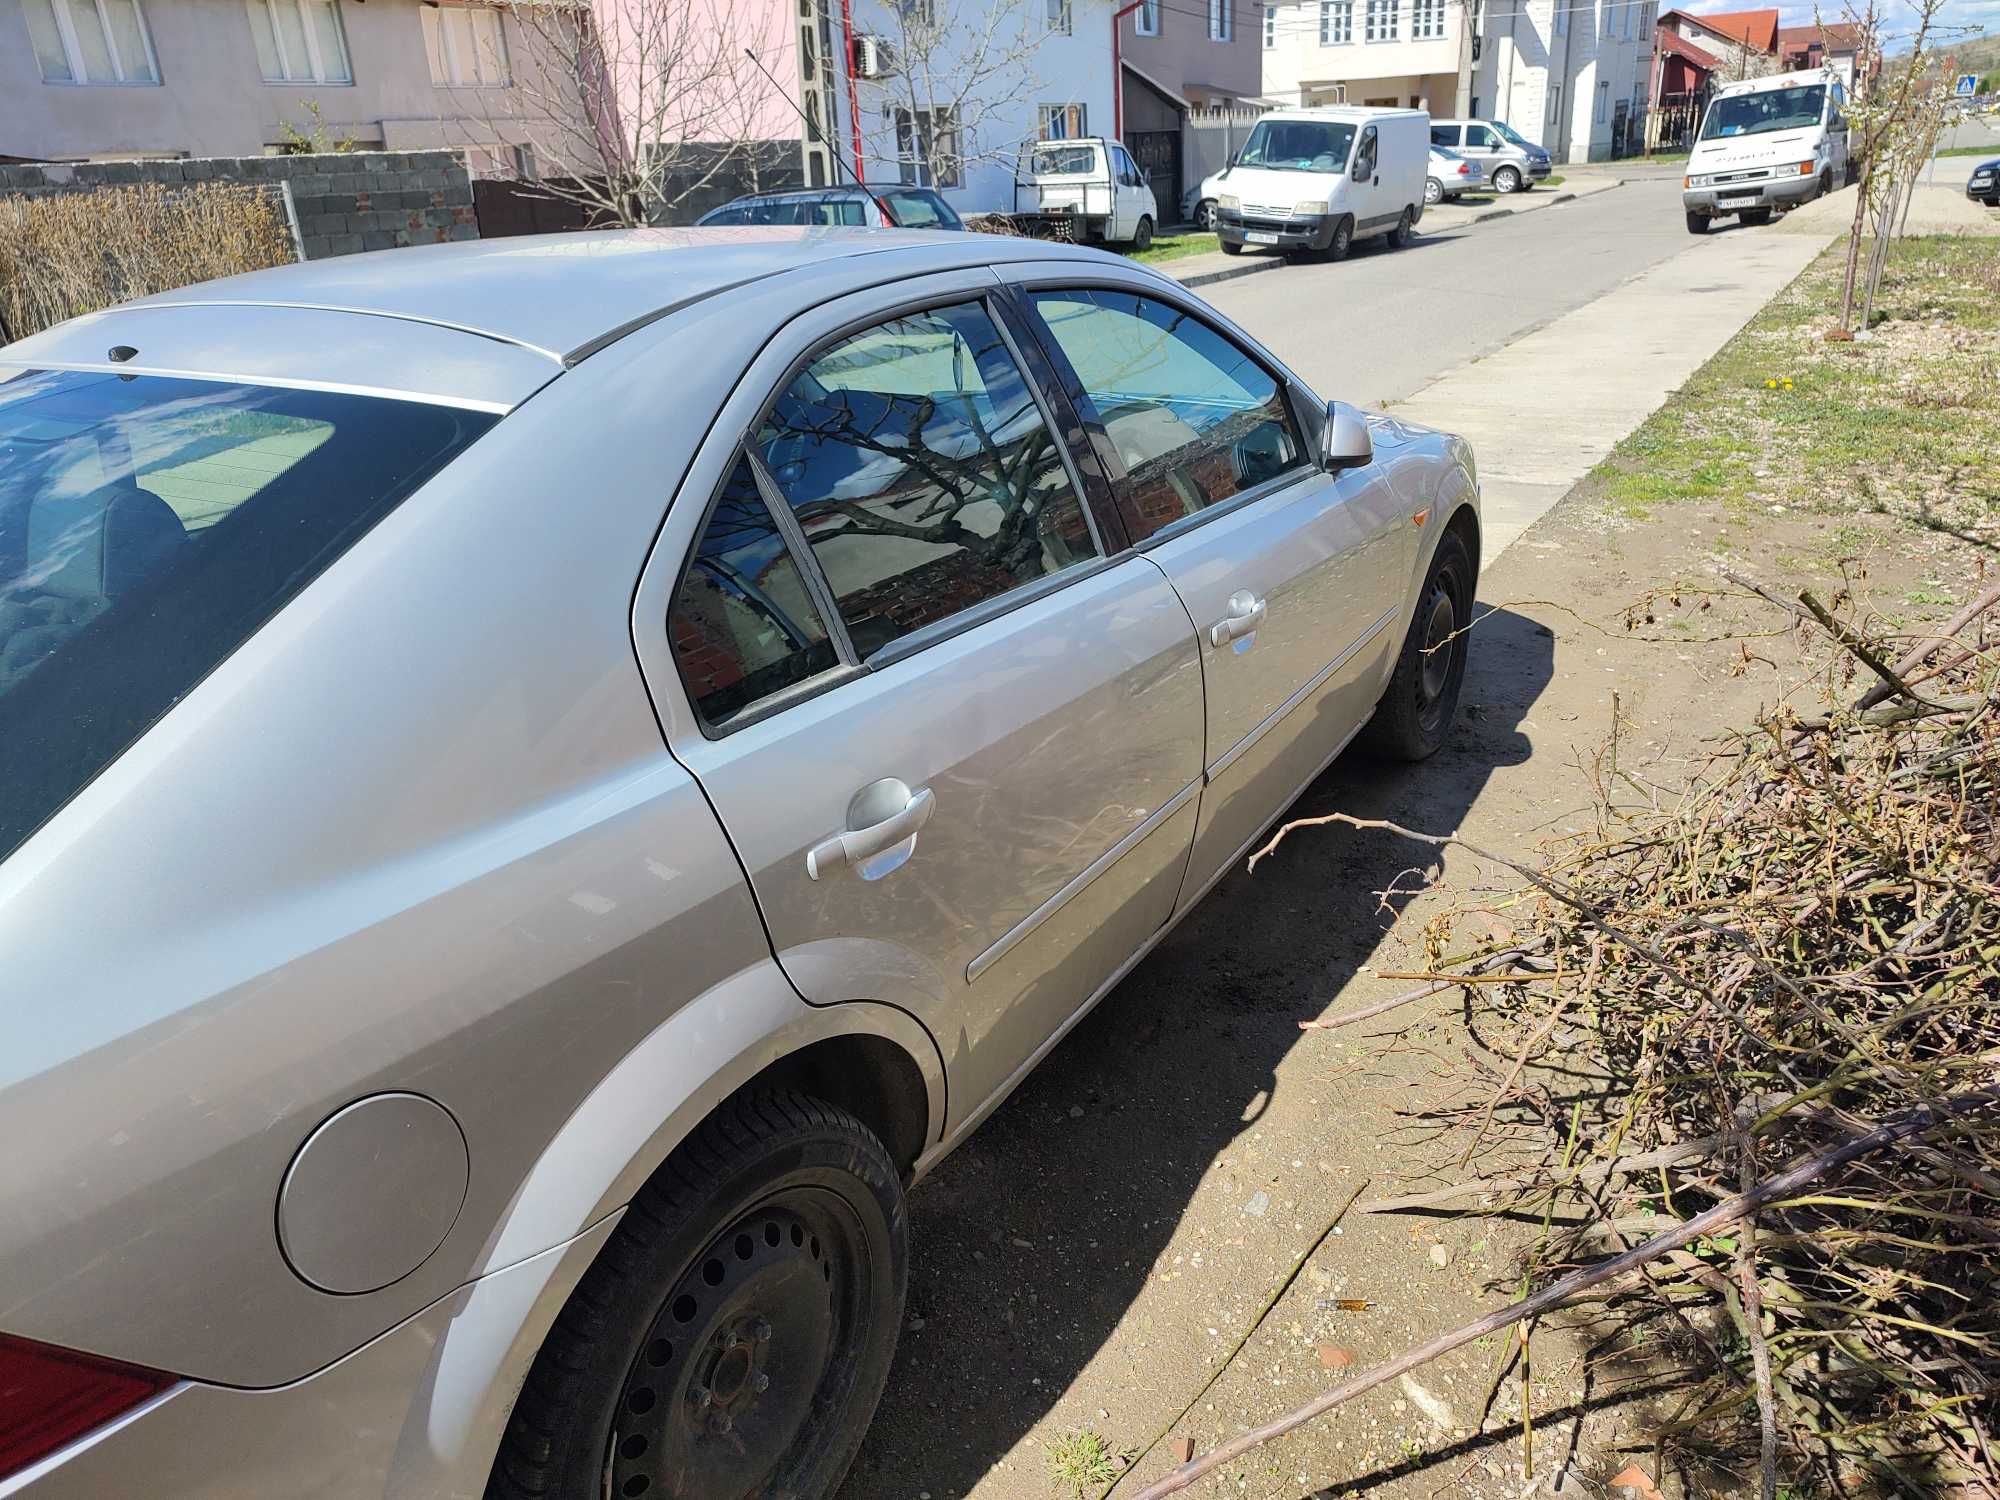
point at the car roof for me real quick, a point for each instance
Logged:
(481, 322)
(564, 295)
(1803, 77)
(1339, 112)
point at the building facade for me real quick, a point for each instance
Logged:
(130, 79)
(1573, 76)
(1413, 54)
(1188, 71)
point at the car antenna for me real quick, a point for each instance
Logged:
(811, 129)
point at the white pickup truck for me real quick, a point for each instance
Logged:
(1088, 190)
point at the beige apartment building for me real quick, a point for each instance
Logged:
(1413, 54)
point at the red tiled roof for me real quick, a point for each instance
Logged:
(1680, 46)
(1839, 37)
(1755, 29)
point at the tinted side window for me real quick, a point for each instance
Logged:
(1194, 419)
(1444, 135)
(1479, 135)
(921, 472)
(744, 625)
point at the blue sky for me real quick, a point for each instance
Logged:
(1962, 16)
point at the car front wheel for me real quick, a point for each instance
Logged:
(1416, 713)
(732, 1338)
(1142, 237)
(1697, 223)
(1343, 239)
(1507, 180)
(1204, 215)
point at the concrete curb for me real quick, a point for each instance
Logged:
(1494, 213)
(1234, 273)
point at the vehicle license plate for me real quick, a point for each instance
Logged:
(1260, 237)
(1739, 200)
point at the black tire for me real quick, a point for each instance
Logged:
(1229, 249)
(1508, 180)
(1405, 227)
(1343, 238)
(763, 1265)
(1415, 715)
(1433, 190)
(1826, 182)
(1204, 215)
(1697, 223)
(1142, 235)
(1755, 216)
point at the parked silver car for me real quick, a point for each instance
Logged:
(548, 779)
(1451, 175)
(1513, 163)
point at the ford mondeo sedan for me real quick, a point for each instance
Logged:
(546, 781)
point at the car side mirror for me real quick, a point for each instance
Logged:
(1232, 159)
(1347, 444)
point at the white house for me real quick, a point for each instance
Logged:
(1409, 53)
(1570, 75)
(1002, 74)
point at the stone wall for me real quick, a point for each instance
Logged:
(342, 202)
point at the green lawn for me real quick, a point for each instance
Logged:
(1986, 150)
(1177, 247)
(1555, 181)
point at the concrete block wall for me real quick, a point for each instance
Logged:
(343, 202)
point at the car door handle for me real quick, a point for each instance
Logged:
(1246, 613)
(859, 844)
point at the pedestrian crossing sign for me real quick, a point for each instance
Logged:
(1968, 85)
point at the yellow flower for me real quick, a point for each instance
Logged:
(1770, 385)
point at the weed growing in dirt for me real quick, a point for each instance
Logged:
(1081, 1461)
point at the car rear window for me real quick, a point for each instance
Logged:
(149, 526)
(1064, 161)
(920, 208)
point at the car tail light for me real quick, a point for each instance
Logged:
(50, 1396)
(1465, 169)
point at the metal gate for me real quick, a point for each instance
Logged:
(1158, 153)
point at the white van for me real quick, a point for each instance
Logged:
(1317, 180)
(1767, 145)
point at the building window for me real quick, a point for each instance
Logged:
(1336, 22)
(1270, 27)
(466, 46)
(1147, 21)
(1380, 22)
(1059, 17)
(927, 148)
(299, 41)
(91, 41)
(1426, 19)
(1555, 102)
(1063, 122)
(1220, 17)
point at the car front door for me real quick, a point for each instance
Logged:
(955, 739)
(1293, 576)
(1481, 142)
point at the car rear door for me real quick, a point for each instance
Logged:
(953, 736)
(1293, 576)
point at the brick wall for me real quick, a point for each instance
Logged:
(343, 202)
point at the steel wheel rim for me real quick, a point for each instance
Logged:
(754, 1345)
(1433, 190)
(1443, 658)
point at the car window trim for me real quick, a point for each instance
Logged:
(844, 667)
(852, 665)
(1107, 453)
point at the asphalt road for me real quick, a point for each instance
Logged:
(1384, 322)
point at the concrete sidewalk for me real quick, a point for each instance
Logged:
(1543, 411)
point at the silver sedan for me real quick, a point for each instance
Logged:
(548, 780)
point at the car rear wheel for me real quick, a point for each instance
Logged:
(1433, 190)
(732, 1338)
(1697, 223)
(1507, 180)
(1415, 715)
(1400, 235)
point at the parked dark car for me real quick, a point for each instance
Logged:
(854, 207)
(1984, 183)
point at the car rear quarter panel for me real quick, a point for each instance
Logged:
(420, 833)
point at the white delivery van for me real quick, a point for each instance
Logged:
(1084, 190)
(1767, 145)
(1313, 181)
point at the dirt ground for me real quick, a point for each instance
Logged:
(1093, 1254)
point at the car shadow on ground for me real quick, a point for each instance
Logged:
(1030, 1243)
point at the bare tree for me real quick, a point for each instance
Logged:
(963, 84)
(629, 107)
